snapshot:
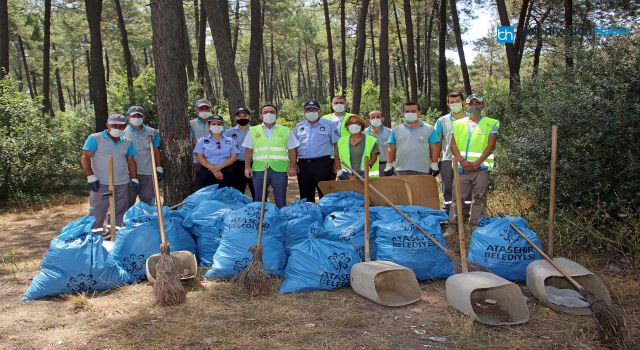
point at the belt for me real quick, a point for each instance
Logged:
(382, 162)
(311, 160)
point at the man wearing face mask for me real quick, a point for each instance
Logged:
(317, 138)
(216, 154)
(472, 144)
(339, 116)
(238, 134)
(273, 145)
(413, 146)
(138, 133)
(381, 133)
(94, 160)
(199, 126)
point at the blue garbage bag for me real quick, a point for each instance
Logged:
(76, 262)
(340, 201)
(318, 264)
(400, 241)
(225, 194)
(240, 233)
(501, 249)
(348, 227)
(140, 238)
(299, 216)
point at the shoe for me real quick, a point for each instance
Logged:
(450, 231)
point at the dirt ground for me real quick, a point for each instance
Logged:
(219, 316)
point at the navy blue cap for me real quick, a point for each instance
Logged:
(215, 118)
(116, 119)
(311, 103)
(135, 110)
(203, 102)
(242, 110)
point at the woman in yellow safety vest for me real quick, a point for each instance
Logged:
(352, 149)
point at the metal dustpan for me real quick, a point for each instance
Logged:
(184, 260)
(541, 274)
(383, 282)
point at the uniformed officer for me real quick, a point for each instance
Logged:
(317, 138)
(216, 155)
(274, 145)
(199, 126)
(238, 133)
(381, 133)
(339, 116)
(139, 133)
(94, 162)
(413, 146)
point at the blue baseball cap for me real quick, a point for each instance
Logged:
(474, 96)
(135, 110)
(242, 110)
(116, 119)
(311, 103)
(215, 118)
(203, 102)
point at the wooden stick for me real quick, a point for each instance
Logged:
(552, 188)
(262, 202)
(459, 204)
(367, 257)
(156, 189)
(112, 199)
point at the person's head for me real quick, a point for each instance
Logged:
(116, 123)
(216, 124)
(203, 109)
(338, 104)
(242, 116)
(135, 116)
(312, 110)
(454, 100)
(376, 118)
(411, 111)
(474, 104)
(268, 113)
(355, 124)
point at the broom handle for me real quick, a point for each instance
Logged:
(112, 199)
(461, 238)
(156, 191)
(390, 203)
(366, 210)
(264, 192)
(552, 188)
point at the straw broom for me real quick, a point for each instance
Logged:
(254, 280)
(167, 290)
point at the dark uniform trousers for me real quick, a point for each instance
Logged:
(206, 177)
(312, 171)
(240, 182)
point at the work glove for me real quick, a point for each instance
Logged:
(160, 173)
(388, 170)
(434, 170)
(93, 183)
(342, 174)
(361, 172)
(135, 185)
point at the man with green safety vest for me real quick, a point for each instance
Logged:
(339, 116)
(352, 150)
(273, 145)
(472, 144)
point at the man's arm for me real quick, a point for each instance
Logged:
(466, 165)
(487, 151)
(133, 170)
(85, 160)
(434, 149)
(248, 157)
(391, 154)
(293, 162)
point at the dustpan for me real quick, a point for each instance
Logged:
(185, 262)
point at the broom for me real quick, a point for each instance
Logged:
(473, 266)
(167, 289)
(254, 280)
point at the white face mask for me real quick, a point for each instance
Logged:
(411, 117)
(135, 121)
(312, 116)
(115, 132)
(216, 129)
(456, 107)
(204, 115)
(354, 128)
(338, 107)
(269, 118)
(376, 122)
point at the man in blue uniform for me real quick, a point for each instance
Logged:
(199, 126)
(238, 133)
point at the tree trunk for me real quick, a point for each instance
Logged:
(46, 60)
(171, 98)
(196, 17)
(203, 68)
(89, 80)
(361, 37)
(319, 80)
(73, 80)
(4, 38)
(272, 69)
(61, 104)
(343, 48)
(442, 59)
(463, 61)
(419, 53)
(538, 49)
(332, 65)
(427, 57)
(146, 57)
(521, 33)
(373, 49)
(108, 67)
(26, 66)
(299, 80)
(34, 83)
(255, 52)
(217, 12)
(383, 45)
(411, 60)
(509, 48)
(128, 59)
(188, 59)
(236, 27)
(94, 16)
(403, 65)
(568, 24)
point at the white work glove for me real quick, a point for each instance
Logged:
(388, 167)
(92, 178)
(434, 167)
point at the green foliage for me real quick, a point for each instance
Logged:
(143, 93)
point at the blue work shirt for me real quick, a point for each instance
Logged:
(433, 137)
(102, 146)
(238, 136)
(316, 140)
(216, 151)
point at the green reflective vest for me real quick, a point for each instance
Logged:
(271, 151)
(343, 129)
(471, 145)
(344, 152)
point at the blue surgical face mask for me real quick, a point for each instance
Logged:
(474, 109)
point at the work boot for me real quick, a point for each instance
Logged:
(451, 230)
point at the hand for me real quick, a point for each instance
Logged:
(215, 167)
(248, 173)
(218, 174)
(388, 170)
(476, 165)
(293, 170)
(466, 165)
(343, 174)
(93, 183)
(434, 170)
(160, 173)
(361, 173)
(135, 185)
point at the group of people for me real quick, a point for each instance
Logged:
(320, 148)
